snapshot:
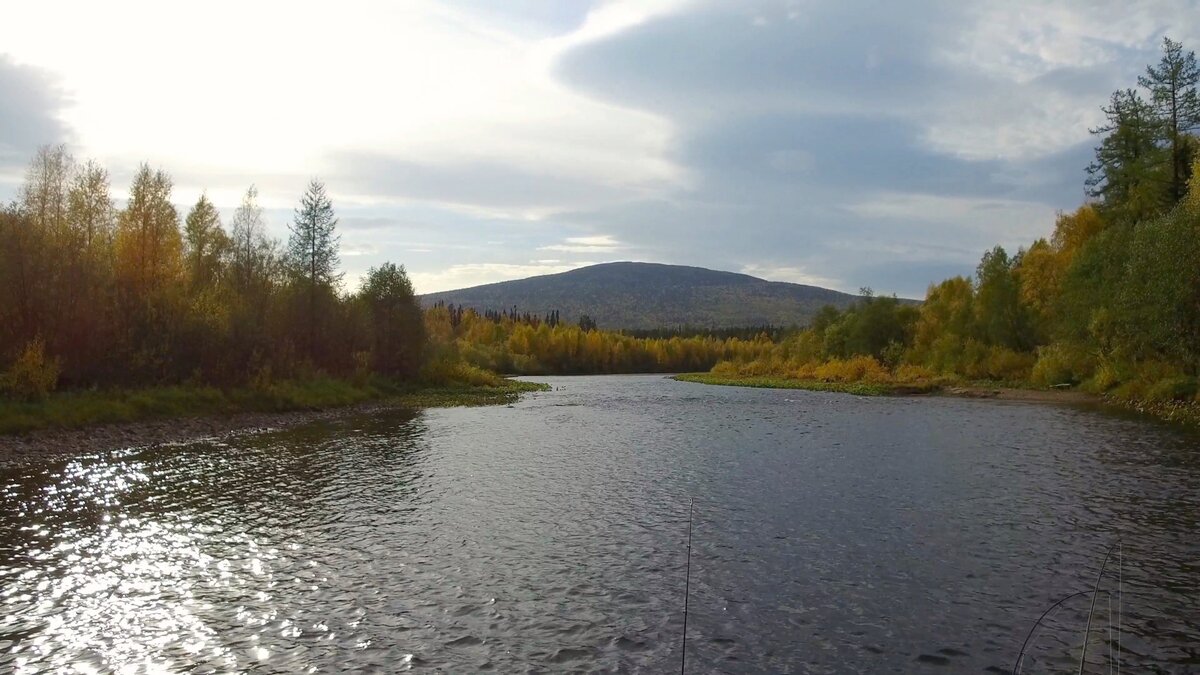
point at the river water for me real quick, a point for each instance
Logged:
(831, 534)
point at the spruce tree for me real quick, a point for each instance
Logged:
(1172, 87)
(312, 251)
(1126, 174)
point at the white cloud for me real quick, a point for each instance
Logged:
(793, 274)
(1010, 221)
(594, 244)
(274, 88)
(1009, 45)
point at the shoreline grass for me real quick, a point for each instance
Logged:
(81, 409)
(1175, 412)
(856, 388)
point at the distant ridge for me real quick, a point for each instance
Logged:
(636, 295)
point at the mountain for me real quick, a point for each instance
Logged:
(649, 295)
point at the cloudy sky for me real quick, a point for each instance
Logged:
(834, 142)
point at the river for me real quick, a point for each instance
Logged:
(831, 534)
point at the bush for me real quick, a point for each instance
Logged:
(444, 372)
(1107, 376)
(1177, 388)
(362, 368)
(1143, 379)
(1008, 365)
(1059, 363)
(857, 369)
(725, 369)
(33, 376)
(910, 373)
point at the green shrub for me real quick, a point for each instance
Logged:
(1177, 388)
(1107, 376)
(1008, 365)
(444, 372)
(34, 376)
(1141, 381)
(362, 368)
(911, 373)
(1061, 363)
(857, 369)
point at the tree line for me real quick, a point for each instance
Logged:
(1110, 301)
(92, 294)
(96, 295)
(514, 343)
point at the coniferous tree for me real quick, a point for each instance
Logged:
(1172, 87)
(312, 253)
(1127, 172)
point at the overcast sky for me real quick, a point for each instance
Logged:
(832, 142)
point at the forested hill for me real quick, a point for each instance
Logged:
(650, 295)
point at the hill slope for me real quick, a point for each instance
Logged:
(649, 295)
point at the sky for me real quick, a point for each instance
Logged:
(839, 143)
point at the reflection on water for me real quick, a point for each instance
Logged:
(832, 533)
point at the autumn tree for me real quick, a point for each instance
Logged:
(149, 244)
(946, 321)
(90, 210)
(44, 197)
(205, 245)
(397, 326)
(1000, 314)
(86, 275)
(251, 251)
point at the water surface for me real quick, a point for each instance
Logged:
(832, 533)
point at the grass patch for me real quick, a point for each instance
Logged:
(857, 388)
(77, 409)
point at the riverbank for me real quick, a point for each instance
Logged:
(860, 388)
(940, 387)
(95, 421)
(1170, 411)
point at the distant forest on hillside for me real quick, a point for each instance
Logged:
(650, 297)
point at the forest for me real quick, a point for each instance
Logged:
(1109, 303)
(511, 342)
(145, 310)
(96, 297)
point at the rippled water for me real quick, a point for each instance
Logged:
(832, 534)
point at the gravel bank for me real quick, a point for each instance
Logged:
(58, 444)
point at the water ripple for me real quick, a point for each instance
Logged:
(832, 533)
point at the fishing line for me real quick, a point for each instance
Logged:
(1094, 592)
(687, 582)
(1095, 589)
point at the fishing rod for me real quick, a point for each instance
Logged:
(1092, 610)
(687, 582)
(1094, 592)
